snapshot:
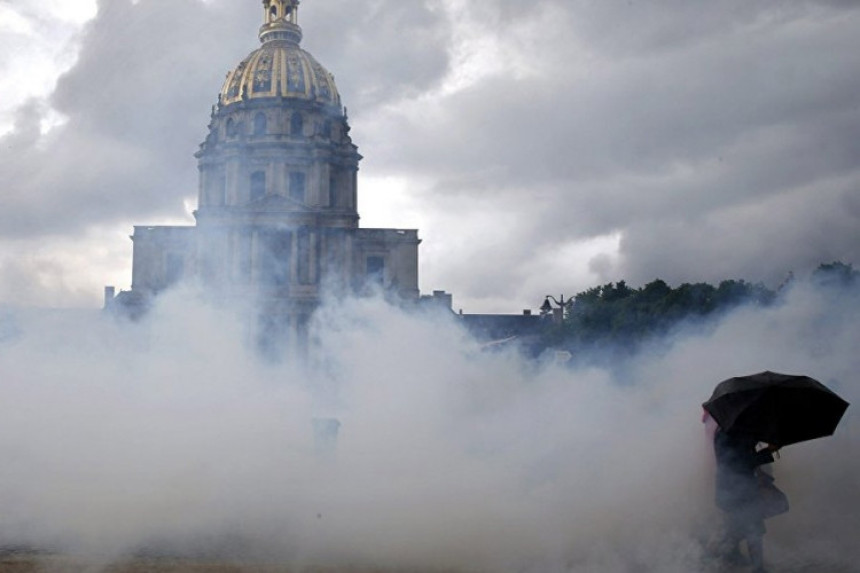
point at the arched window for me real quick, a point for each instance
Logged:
(375, 267)
(332, 191)
(297, 186)
(258, 185)
(303, 236)
(231, 127)
(260, 124)
(174, 268)
(216, 188)
(297, 124)
(275, 257)
(274, 11)
(221, 190)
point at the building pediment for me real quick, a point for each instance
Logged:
(275, 203)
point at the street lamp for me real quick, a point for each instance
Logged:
(558, 312)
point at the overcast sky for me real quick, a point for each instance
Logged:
(539, 147)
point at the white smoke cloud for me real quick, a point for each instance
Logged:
(172, 436)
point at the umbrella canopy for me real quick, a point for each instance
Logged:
(779, 409)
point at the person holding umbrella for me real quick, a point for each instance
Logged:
(737, 495)
(771, 408)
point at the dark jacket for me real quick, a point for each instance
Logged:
(737, 459)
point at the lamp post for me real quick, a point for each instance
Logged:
(560, 306)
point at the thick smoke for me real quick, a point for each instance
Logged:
(172, 437)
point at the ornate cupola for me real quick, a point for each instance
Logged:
(278, 149)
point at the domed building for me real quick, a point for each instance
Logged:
(277, 220)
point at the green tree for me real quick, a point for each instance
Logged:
(836, 274)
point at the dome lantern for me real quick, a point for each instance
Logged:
(280, 21)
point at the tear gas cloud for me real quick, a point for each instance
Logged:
(172, 436)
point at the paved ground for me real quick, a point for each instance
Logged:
(29, 563)
(56, 564)
(66, 565)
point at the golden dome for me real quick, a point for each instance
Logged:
(280, 68)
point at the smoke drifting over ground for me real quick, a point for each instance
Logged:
(172, 436)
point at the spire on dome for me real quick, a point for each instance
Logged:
(281, 21)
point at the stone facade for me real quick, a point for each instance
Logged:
(277, 220)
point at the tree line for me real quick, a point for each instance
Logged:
(617, 317)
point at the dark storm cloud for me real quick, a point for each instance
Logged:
(661, 121)
(133, 103)
(137, 103)
(653, 113)
(378, 51)
(716, 140)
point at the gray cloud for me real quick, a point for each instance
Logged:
(378, 51)
(697, 133)
(127, 146)
(633, 130)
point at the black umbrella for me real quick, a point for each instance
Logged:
(779, 409)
